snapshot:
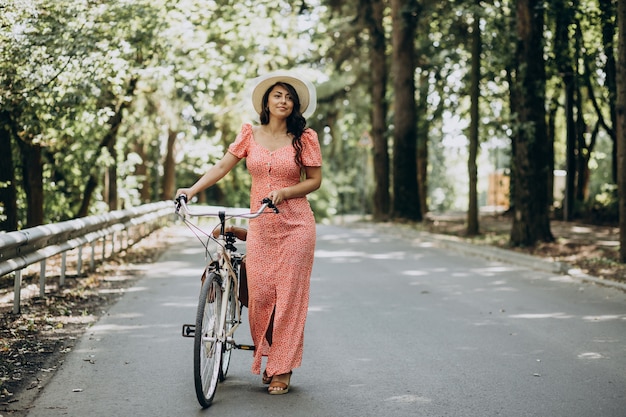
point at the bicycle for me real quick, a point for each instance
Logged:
(216, 319)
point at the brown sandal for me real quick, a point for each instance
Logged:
(266, 379)
(278, 388)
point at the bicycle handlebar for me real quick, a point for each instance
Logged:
(182, 209)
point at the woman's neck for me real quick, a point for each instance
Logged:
(276, 126)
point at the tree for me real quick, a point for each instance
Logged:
(608, 22)
(406, 201)
(564, 60)
(8, 191)
(621, 125)
(164, 86)
(373, 13)
(33, 69)
(531, 221)
(472, 212)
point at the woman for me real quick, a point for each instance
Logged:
(284, 160)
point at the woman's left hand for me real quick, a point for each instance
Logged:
(277, 196)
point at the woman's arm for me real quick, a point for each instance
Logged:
(312, 182)
(213, 175)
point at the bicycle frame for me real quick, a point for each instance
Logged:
(225, 254)
(229, 281)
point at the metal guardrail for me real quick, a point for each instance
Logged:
(26, 247)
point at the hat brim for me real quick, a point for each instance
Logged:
(304, 88)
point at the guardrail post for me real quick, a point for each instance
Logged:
(17, 287)
(63, 266)
(124, 239)
(42, 279)
(92, 263)
(79, 262)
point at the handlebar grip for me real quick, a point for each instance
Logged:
(269, 203)
(179, 200)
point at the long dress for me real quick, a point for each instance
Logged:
(280, 250)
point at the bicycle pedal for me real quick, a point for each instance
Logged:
(189, 330)
(244, 347)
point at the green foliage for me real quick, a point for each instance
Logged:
(68, 66)
(604, 207)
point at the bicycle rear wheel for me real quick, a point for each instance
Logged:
(207, 353)
(231, 319)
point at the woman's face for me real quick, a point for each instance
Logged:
(280, 102)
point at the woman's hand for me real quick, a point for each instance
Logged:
(278, 196)
(311, 183)
(186, 191)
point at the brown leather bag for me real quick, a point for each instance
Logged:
(243, 284)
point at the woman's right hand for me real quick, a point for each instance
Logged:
(186, 191)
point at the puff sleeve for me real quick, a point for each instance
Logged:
(241, 146)
(311, 152)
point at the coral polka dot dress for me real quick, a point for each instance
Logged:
(280, 250)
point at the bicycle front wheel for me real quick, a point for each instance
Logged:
(207, 355)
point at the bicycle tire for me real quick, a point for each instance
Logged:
(231, 319)
(207, 354)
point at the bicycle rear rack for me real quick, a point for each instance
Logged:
(189, 330)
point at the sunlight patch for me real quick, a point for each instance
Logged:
(542, 316)
(409, 399)
(390, 255)
(590, 355)
(120, 290)
(422, 244)
(415, 273)
(318, 309)
(607, 317)
(337, 254)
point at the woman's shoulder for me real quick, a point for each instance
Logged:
(240, 146)
(312, 153)
(247, 129)
(309, 134)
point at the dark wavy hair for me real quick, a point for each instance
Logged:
(296, 123)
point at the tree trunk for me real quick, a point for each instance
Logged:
(32, 173)
(472, 212)
(112, 199)
(514, 104)
(169, 168)
(551, 132)
(378, 65)
(607, 13)
(621, 125)
(531, 222)
(405, 190)
(8, 190)
(143, 174)
(564, 63)
(422, 142)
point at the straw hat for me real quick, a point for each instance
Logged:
(304, 88)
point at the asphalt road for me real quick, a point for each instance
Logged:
(397, 327)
